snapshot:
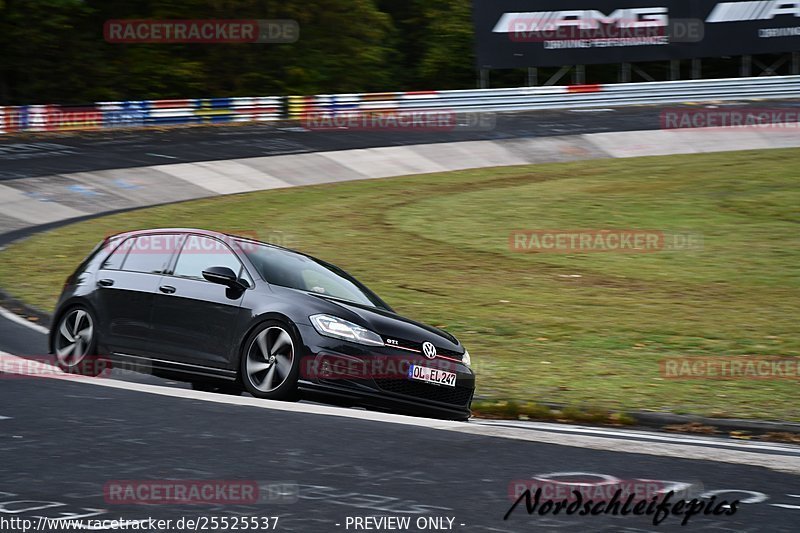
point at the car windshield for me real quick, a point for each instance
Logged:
(297, 271)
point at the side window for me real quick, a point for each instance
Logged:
(199, 253)
(117, 257)
(150, 253)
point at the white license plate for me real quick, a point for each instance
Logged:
(432, 375)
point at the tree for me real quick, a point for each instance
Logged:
(41, 41)
(447, 59)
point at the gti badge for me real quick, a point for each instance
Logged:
(429, 350)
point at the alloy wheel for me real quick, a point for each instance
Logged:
(269, 359)
(74, 338)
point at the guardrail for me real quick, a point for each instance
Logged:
(554, 97)
(221, 110)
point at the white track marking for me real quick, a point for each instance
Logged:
(5, 417)
(786, 505)
(645, 435)
(556, 427)
(5, 313)
(781, 463)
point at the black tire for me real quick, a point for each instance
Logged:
(75, 343)
(271, 375)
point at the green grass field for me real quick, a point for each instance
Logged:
(586, 330)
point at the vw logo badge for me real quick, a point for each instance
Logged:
(429, 350)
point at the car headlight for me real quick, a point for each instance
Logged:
(466, 359)
(331, 326)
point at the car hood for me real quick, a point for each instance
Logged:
(385, 323)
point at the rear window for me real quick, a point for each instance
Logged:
(150, 254)
(99, 247)
(117, 257)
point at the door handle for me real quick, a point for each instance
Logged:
(106, 282)
(167, 289)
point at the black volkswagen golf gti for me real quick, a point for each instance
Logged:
(229, 314)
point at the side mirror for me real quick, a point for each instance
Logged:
(222, 276)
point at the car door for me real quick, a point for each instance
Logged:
(127, 282)
(194, 319)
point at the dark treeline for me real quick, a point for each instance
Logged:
(53, 51)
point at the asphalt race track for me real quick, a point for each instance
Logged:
(62, 441)
(44, 155)
(41, 155)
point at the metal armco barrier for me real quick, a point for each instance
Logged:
(554, 97)
(129, 114)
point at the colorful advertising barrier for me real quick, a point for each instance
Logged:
(137, 114)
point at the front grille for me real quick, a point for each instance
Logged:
(417, 347)
(450, 353)
(451, 395)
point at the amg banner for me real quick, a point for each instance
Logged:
(547, 33)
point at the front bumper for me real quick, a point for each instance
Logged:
(377, 376)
